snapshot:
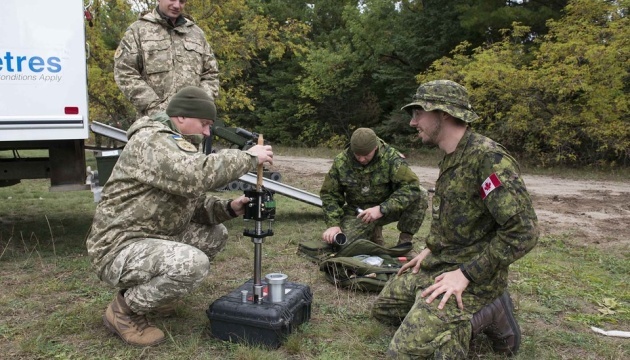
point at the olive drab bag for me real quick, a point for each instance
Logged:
(360, 265)
(316, 250)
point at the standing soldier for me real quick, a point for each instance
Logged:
(161, 53)
(375, 178)
(482, 221)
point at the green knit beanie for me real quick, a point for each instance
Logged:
(192, 102)
(363, 141)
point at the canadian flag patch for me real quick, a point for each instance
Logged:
(491, 183)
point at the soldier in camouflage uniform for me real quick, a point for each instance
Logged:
(156, 229)
(374, 177)
(161, 53)
(482, 221)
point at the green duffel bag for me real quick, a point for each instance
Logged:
(354, 274)
(366, 247)
(363, 265)
(318, 251)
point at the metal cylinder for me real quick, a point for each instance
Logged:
(340, 239)
(258, 295)
(244, 296)
(276, 286)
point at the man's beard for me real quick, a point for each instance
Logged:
(433, 135)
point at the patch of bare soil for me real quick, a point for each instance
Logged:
(589, 212)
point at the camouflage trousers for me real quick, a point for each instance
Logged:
(424, 332)
(409, 221)
(156, 272)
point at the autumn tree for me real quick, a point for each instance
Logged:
(549, 80)
(361, 72)
(107, 104)
(562, 102)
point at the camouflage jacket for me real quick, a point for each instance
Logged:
(386, 181)
(154, 60)
(158, 186)
(483, 218)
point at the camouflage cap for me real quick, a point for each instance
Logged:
(444, 95)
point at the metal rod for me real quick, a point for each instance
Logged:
(258, 295)
(258, 254)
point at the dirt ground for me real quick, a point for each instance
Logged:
(593, 213)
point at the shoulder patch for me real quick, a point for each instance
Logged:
(118, 52)
(491, 183)
(182, 144)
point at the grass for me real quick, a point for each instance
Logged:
(51, 302)
(420, 157)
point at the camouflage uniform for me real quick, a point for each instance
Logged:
(155, 228)
(481, 235)
(155, 59)
(386, 181)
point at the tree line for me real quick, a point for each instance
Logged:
(549, 79)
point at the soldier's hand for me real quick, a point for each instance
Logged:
(371, 214)
(414, 263)
(448, 283)
(263, 152)
(238, 205)
(329, 235)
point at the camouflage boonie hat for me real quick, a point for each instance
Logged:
(444, 95)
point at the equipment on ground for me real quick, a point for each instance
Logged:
(340, 239)
(260, 312)
(358, 265)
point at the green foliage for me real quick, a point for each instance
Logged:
(107, 104)
(562, 102)
(583, 64)
(487, 18)
(360, 73)
(549, 79)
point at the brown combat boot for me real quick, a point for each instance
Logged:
(377, 236)
(134, 329)
(497, 321)
(404, 238)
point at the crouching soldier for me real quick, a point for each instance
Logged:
(156, 229)
(482, 221)
(368, 186)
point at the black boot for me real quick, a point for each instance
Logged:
(497, 321)
(404, 238)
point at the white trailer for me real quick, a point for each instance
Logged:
(43, 92)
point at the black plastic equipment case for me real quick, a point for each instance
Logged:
(266, 324)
